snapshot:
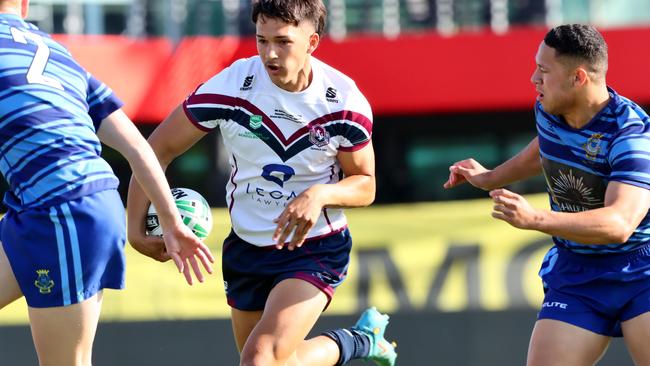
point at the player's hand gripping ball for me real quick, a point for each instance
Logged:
(194, 209)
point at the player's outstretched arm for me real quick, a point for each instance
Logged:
(625, 206)
(357, 189)
(118, 132)
(521, 166)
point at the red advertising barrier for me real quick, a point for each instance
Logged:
(413, 74)
(130, 67)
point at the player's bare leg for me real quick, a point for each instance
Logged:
(243, 323)
(636, 333)
(64, 335)
(557, 343)
(319, 351)
(292, 309)
(9, 289)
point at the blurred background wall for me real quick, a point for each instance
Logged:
(447, 79)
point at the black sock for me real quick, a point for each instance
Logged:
(352, 344)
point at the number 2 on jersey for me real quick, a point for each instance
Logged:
(42, 55)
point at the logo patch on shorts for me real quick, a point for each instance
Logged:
(43, 282)
(325, 277)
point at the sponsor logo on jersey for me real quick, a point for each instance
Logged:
(255, 121)
(330, 95)
(319, 136)
(277, 173)
(280, 114)
(43, 282)
(572, 189)
(253, 135)
(248, 82)
(592, 146)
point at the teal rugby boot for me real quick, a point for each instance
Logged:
(373, 323)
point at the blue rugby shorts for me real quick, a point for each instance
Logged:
(64, 254)
(596, 292)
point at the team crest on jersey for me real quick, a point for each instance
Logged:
(330, 95)
(255, 121)
(592, 146)
(319, 136)
(248, 82)
(43, 282)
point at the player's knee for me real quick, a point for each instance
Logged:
(256, 358)
(260, 353)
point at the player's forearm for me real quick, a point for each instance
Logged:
(521, 166)
(150, 182)
(136, 204)
(600, 226)
(352, 191)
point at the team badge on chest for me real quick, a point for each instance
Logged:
(592, 146)
(319, 136)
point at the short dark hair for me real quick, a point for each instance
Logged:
(292, 12)
(580, 42)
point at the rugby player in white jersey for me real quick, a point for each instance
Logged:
(298, 135)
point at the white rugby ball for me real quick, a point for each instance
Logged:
(194, 209)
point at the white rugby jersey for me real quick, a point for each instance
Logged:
(280, 143)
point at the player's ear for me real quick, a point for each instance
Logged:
(580, 76)
(314, 41)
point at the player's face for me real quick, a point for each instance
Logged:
(553, 80)
(284, 49)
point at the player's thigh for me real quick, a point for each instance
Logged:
(291, 310)
(637, 338)
(558, 343)
(243, 323)
(64, 335)
(9, 289)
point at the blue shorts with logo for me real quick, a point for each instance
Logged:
(596, 292)
(64, 254)
(250, 272)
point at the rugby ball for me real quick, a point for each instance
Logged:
(194, 209)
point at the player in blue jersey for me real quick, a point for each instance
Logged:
(593, 147)
(62, 238)
(298, 136)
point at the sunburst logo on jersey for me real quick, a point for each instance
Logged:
(592, 146)
(572, 190)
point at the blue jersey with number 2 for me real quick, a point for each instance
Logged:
(50, 111)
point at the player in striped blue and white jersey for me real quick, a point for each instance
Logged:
(593, 147)
(63, 235)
